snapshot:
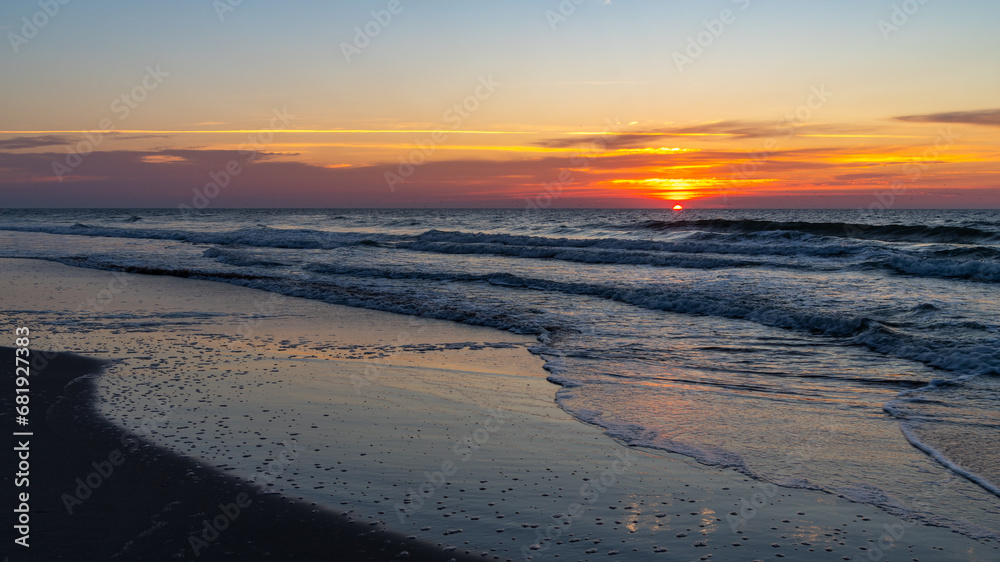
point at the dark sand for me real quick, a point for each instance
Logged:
(154, 501)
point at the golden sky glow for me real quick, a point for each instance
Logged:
(795, 104)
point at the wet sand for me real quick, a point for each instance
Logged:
(142, 502)
(448, 437)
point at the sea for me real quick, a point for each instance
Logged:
(798, 347)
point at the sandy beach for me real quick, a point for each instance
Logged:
(356, 435)
(98, 492)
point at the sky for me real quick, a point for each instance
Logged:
(476, 103)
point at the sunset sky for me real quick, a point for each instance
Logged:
(560, 103)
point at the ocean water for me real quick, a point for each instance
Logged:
(812, 349)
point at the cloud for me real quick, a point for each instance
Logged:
(722, 129)
(162, 159)
(121, 137)
(170, 177)
(173, 177)
(735, 128)
(864, 177)
(986, 117)
(35, 142)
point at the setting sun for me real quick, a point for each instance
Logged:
(678, 208)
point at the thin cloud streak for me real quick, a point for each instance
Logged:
(985, 117)
(35, 142)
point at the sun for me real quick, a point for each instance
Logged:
(678, 208)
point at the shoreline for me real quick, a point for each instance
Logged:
(552, 478)
(98, 492)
